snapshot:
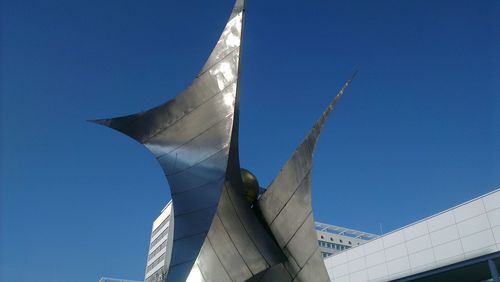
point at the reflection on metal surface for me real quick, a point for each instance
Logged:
(222, 232)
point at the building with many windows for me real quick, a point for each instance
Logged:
(334, 239)
(160, 246)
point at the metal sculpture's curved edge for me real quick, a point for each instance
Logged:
(116, 123)
(311, 136)
(239, 6)
(286, 206)
(190, 136)
(230, 44)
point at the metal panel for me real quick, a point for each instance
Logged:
(227, 252)
(207, 171)
(198, 198)
(293, 215)
(273, 274)
(241, 243)
(302, 246)
(250, 254)
(231, 36)
(255, 230)
(310, 271)
(195, 275)
(286, 207)
(239, 236)
(190, 137)
(196, 150)
(290, 176)
(210, 266)
(291, 265)
(198, 118)
(184, 248)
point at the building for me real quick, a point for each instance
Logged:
(334, 239)
(459, 244)
(160, 246)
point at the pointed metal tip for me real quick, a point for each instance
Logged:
(354, 74)
(239, 6)
(105, 122)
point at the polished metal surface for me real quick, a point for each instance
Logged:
(190, 137)
(222, 233)
(287, 209)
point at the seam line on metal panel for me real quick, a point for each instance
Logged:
(195, 137)
(293, 236)
(181, 263)
(288, 242)
(199, 162)
(189, 236)
(216, 255)
(201, 272)
(130, 123)
(295, 153)
(199, 186)
(309, 258)
(234, 244)
(245, 229)
(286, 268)
(195, 211)
(293, 194)
(163, 128)
(218, 61)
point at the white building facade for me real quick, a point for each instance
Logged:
(464, 237)
(160, 246)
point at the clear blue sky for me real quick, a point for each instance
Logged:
(416, 133)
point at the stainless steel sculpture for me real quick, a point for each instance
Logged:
(220, 234)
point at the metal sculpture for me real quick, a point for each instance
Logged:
(222, 231)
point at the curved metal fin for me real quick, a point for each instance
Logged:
(287, 209)
(218, 75)
(190, 136)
